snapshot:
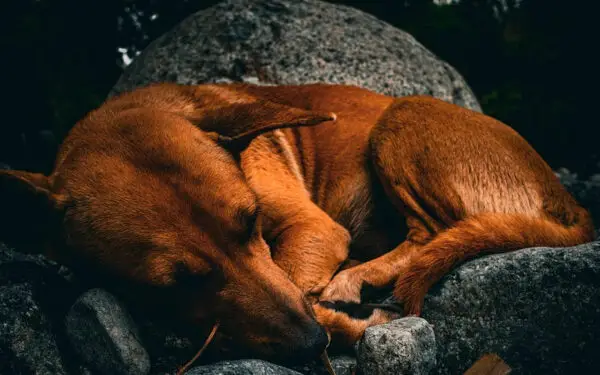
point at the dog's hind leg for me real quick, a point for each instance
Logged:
(460, 196)
(427, 208)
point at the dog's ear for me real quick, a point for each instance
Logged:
(27, 207)
(246, 120)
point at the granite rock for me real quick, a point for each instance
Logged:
(404, 347)
(32, 295)
(295, 42)
(586, 191)
(342, 364)
(537, 308)
(242, 367)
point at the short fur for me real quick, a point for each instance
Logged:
(242, 203)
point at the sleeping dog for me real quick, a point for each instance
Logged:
(265, 207)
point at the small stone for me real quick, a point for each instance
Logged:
(103, 334)
(242, 367)
(402, 347)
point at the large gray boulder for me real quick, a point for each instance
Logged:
(538, 309)
(295, 42)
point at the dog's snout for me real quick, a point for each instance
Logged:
(312, 342)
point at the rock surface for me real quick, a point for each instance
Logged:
(538, 309)
(243, 367)
(103, 334)
(295, 42)
(30, 341)
(404, 347)
(342, 364)
(587, 192)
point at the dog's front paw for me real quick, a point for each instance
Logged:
(345, 287)
(346, 323)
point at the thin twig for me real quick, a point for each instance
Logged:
(208, 340)
(327, 363)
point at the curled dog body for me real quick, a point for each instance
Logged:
(244, 204)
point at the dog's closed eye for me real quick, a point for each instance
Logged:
(248, 218)
(187, 277)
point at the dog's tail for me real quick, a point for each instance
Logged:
(486, 233)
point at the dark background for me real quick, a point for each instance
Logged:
(531, 64)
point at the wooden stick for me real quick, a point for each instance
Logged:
(187, 366)
(327, 363)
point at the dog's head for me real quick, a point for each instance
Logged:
(147, 191)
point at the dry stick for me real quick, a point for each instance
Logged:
(208, 340)
(325, 357)
(327, 363)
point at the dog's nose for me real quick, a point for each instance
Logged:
(313, 342)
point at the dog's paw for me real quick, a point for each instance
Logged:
(346, 322)
(410, 292)
(345, 287)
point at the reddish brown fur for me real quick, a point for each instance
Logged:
(167, 179)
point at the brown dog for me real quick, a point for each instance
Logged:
(239, 203)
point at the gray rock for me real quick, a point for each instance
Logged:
(29, 341)
(538, 309)
(103, 334)
(343, 365)
(404, 347)
(587, 192)
(242, 367)
(295, 42)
